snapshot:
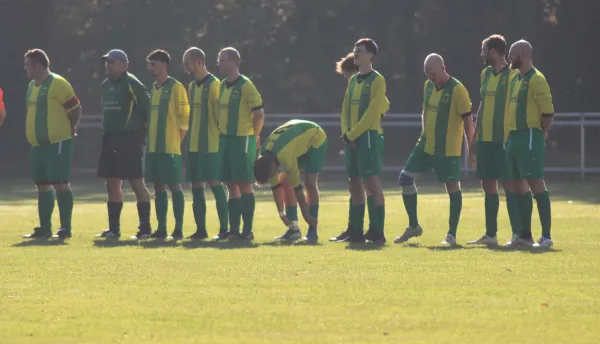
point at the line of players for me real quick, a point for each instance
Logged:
(221, 122)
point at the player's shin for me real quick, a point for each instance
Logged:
(45, 209)
(248, 205)
(235, 214)
(455, 210)
(222, 207)
(199, 207)
(114, 216)
(512, 206)
(178, 208)
(492, 204)
(409, 196)
(161, 205)
(65, 207)
(525, 210)
(544, 210)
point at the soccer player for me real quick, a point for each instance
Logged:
(294, 146)
(53, 112)
(125, 105)
(446, 116)
(487, 152)
(167, 127)
(2, 109)
(530, 117)
(241, 118)
(347, 68)
(364, 102)
(204, 158)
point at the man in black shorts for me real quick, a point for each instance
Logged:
(125, 102)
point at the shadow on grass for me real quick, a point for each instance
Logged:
(219, 244)
(364, 247)
(449, 248)
(532, 250)
(41, 242)
(159, 243)
(280, 243)
(108, 243)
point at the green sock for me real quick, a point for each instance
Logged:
(248, 206)
(543, 205)
(350, 213)
(222, 208)
(455, 209)
(199, 207)
(410, 204)
(291, 212)
(525, 210)
(235, 214)
(313, 210)
(45, 209)
(358, 218)
(379, 212)
(161, 205)
(178, 209)
(65, 208)
(370, 212)
(492, 203)
(512, 206)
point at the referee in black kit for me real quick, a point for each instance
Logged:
(125, 107)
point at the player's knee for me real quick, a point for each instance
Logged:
(407, 183)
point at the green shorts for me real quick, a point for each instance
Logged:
(203, 167)
(312, 161)
(239, 154)
(491, 161)
(365, 160)
(51, 164)
(447, 168)
(163, 168)
(525, 154)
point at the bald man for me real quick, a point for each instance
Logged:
(530, 117)
(241, 117)
(204, 157)
(446, 118)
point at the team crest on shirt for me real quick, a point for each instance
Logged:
(367, 88)
(236, 94)
(165, 95)
(445, 98)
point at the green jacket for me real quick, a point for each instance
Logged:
(125, 104)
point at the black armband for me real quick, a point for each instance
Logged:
(275, 187)
(346, 139)
(257, 108)
(466, 114)
(547, 115)
(299, 188)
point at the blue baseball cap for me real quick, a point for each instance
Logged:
(116, 55)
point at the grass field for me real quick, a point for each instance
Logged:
(88, 291)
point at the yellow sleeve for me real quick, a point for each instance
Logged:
(378, 104)
(66, 95)
(462, 102)
(182, 106)
(541, 94)
(289, 164)
(251, 96)
(213, 97)
(344, 115)
(481, 78)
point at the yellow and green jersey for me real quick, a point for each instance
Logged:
(530, 98)
(169, 113)
(443, 124)
(204, 124)
(237, 103)
(48, 106)
(364, 103)
(493, 119)
(289, 142)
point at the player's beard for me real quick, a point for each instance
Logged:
(516, 63)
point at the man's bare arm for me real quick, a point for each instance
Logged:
(74, 117)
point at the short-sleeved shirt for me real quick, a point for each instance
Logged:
(204, 123)
(48, 106)
(289, 142)
(169, 113)
(493, 119)
(237, 103)
(530, 98)
(443, 110)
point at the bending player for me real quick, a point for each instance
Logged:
(294, 146)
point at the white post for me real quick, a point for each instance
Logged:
(582, 144)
